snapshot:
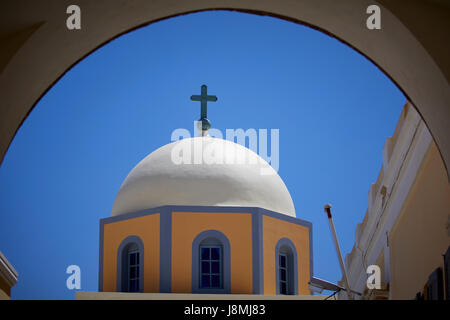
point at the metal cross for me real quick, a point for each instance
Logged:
(203, 98)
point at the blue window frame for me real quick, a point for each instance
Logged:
(133, 270)
(211, 263)
(130, 265)
(284, 273)
(286, 267)
(211, 267)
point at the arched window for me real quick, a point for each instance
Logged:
(211, 263)
(130, 265)
(286, 267)
(133, 268)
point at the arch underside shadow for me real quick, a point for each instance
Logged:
(399, 55)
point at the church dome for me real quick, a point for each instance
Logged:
(203, 171)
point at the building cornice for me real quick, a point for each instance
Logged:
(7, 271)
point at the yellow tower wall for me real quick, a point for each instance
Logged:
(252, 238)
(273, 231)
(147, 229)
(235, 226)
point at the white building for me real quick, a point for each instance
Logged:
(405, 230)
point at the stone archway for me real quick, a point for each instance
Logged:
(411, 48)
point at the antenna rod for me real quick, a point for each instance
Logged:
(327, 209)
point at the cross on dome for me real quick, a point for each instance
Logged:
(204, 98)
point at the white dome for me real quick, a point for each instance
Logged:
(221, 173)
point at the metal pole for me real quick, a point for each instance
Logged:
(327, 209)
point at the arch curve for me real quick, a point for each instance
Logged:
(402, 49)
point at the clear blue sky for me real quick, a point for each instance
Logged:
(63, 169)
